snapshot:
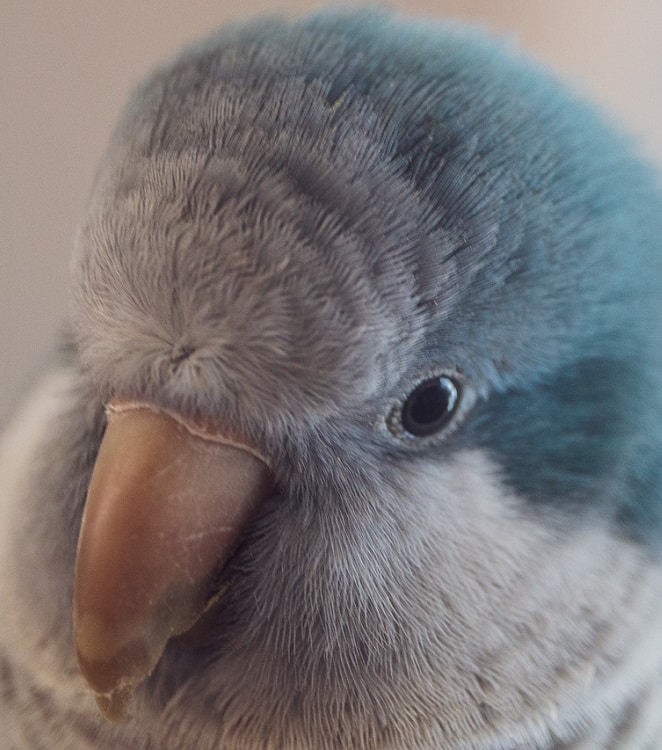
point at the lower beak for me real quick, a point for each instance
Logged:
(166, 506)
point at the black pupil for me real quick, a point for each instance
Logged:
(429, 407)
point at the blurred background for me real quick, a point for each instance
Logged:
(66, 68)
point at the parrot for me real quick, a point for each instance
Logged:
(352, 437)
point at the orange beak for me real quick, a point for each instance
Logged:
(166, 506)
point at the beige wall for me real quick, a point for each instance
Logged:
(66, 66)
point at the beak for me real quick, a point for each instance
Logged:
(165, 509)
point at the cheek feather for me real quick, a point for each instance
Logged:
(443, 610)
(542, 611)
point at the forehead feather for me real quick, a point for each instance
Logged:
(392, 190)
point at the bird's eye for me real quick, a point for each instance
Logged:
(430, 406)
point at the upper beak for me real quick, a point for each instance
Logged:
(166, 506)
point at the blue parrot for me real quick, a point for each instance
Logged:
(353, 437)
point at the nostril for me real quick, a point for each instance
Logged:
(180, 353)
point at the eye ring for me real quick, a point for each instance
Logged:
(431, 408)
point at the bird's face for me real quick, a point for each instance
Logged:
(315, 518)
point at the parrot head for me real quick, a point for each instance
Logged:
(367, 315)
